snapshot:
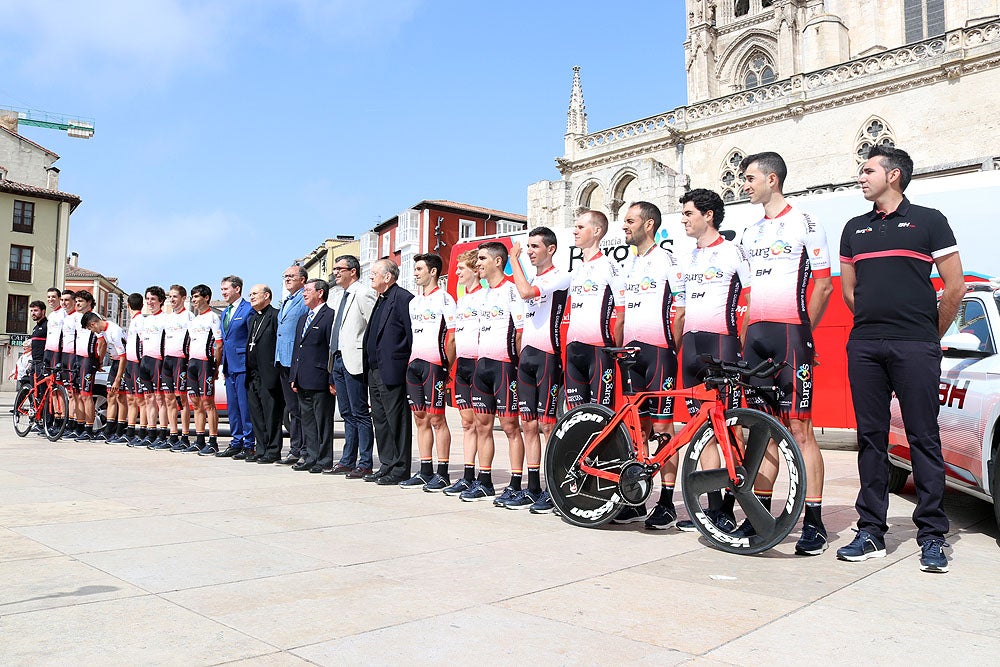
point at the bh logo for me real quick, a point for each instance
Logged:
(803, 373)
(780, 248)
(608, 377)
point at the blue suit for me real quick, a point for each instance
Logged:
(234, 366)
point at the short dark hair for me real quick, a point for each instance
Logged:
(158, 292)
(352, 263)
(597, 219)
(495, 249)
(89, 319)
(894, 158)
(180, 289)
(320, 286)
(705, 201)
(38, 304)
(649, 211)
(301, 270)
(68, 292)
(768, 162)
(548, 236)
(201, 290)
(135, 301)
(433, 262)
(53, 289)
(235, 281)
(86, 296)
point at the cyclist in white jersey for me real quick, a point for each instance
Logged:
(596, 296)
(470, 291)
(786, 249)
(53, 334)
(113, 341)
(539, 368)
(175, 368)
(204, 360)
(494, 384)
(432, 321)
(151, 367)
(88, 352)
(130, 380)
(67, 359)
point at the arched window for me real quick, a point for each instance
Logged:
(592, 197)
(875, 132)
(730, 183)
(742, 7)
(759, 70)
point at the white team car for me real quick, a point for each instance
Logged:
(969, 392)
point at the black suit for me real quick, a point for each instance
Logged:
(267, 403)
(387, 343)
(310, 375)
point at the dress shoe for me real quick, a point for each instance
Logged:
(268, 459)
(252, 457)
(389, 480)
(288, 460)
(339, 470)
(242, 454)
(317, 469)
(231, 451)
(374, 476)
(304, 465)
(358, 473)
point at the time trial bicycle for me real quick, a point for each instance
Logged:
(44, 404)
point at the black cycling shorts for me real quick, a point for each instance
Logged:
(201, 377)
(720, 346)
(590, 375)
(791, 343)
(465, 369)
(425, 386)
(174, 375)
(131, 378)
(494, 388)
(655, 369)
(150, 375)
(539, 376)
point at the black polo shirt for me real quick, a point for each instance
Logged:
(38, 335)
(893, 256)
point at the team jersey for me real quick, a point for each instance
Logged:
(543, 312)
(86, 340)
(133, 337)
(467, 324)
(709, 287)
(115, 339)
(596, 290)
(175, 332)
(70, 324)
(432, 316)
(152, 335)
(53, 337)
(203, 332)
(501, 316)
(783, 251)
(648, 296)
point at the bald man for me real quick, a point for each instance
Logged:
(264, 393)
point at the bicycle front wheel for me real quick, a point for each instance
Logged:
(582, 499)
(761, 444)
(55, 412)
(24, 411)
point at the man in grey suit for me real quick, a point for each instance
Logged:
(353, 308)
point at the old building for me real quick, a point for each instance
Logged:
(319, 263)
(110, 298)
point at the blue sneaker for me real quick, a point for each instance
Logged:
(813, 541)
(722, 521)
(864, 546)
(543, 505)
(416, 482)
(662, 517)
(630, 514)
(478, 491)
(437, 483)
(932, 558)
(458, 487)
(523, 500)
(507, 495)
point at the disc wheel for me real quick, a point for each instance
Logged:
(55, 412)
(24, 412)
(755, 435)
(582, 499)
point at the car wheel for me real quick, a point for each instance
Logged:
(100, 411)
(897, 478)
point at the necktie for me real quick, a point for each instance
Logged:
(229, 315)
(335, 338)
(309, 319)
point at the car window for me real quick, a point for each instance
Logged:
(972, 319)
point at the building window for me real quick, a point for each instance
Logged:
(759, 70)
(731, 183)
(17, 313)
(508, 227)
(876, 132)
(923, 19)
(742, 7)
(20, 264)
(466, 229)
(386, 244)
(24, 216)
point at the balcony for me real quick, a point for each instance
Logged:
(19, 273)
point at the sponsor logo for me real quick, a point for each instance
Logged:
(554, 390)
(906, 225)
(668, 384)
(513, 386)
(439, 386)
(595, 513)
(866, 230)
(576, 418)
(712, 272)
(804, 373)
(608, 377)
(780, 247)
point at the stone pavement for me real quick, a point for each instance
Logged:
(110, 555)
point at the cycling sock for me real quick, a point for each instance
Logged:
(130, 432)
(426, 467)
(764, 497)
(89, 430)
(486, 476)
(174, 439)
(164, 433)
(143, 433)
(814, 511)
(666, 494)
(534, 480)
(728, 503)
(213, 440)
(469, 473)
(199, 439)
(443, 469)
(715, 500)
(515, 480)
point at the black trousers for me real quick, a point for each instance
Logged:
(876, 368)
(393, 428)
(266, 408)
(316, 409)
(292, 408)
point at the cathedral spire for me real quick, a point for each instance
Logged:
(576, 118)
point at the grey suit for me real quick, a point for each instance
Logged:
(347, 363)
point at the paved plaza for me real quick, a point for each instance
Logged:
(111, 555)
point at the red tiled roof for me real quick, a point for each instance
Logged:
(513, 217)
(15, 188)
(80, 272)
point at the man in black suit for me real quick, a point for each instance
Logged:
(311, 378)
(263, 384)
(387, 344)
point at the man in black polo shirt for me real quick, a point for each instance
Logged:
(886, 257)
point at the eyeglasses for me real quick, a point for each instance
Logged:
(338, 269)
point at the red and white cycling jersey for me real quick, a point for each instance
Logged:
(648, 296)
(501, 316)
(86, 340)
(133, 336)
(152, 335)
(53, 334)
(783, 252)
(596, 290)
(467, 324)
(70, 323)
(114, 337)
(543, 312)
(431, 317)
(710, 286)
(203, 330)
(175, 332)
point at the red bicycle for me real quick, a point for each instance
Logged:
(597, 460)
(45, 404)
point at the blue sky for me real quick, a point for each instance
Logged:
(235, 135)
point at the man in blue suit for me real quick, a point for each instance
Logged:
(312, 378)
(235, 331)
(290, 311)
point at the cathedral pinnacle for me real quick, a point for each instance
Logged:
(576, 117)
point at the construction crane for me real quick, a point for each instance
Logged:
(77, 128)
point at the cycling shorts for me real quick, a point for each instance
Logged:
(655, 369)
(790, 343)
(67, 359)
(84, 375)
(174, 375)
(494, 388)
(590, 375)
(465, 369)
(150, 375)
(201, 377)
(539, 376)
(720, 346)
(131, 378)
(113, 373)
(425, 386)
(48, 365)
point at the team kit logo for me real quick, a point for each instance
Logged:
(668, 384)
(780, 247)
(608, 377)
(712, 272)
